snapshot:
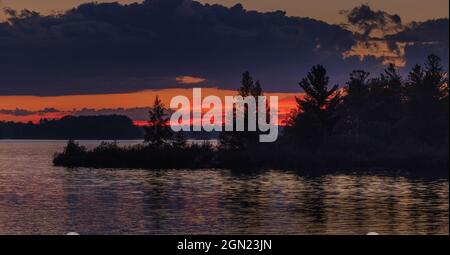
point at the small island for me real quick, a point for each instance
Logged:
(388, 122)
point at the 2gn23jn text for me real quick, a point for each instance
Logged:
(231, 245)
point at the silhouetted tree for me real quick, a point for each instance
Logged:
(247, 85)
(236, 139)
(316, 115)
(158, 132)
(427, 106)
(386, 105)
(356, 102)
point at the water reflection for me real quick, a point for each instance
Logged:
(38, 198)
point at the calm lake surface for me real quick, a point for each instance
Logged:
(37, 198)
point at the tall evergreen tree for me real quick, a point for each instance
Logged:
(427, 110)
(386, 99)
(316, 115)
(237, 139)
(158, 132)
(356, 102)
(247, 85)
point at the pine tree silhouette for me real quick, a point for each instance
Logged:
(316, 115)
(158, 132)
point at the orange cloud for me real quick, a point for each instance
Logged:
(189, 80)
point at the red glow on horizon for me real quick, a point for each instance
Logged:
(68, 105)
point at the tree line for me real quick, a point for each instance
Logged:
(388, 109)
(113, 127)
(382, 121)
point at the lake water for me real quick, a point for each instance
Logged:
(37, 198)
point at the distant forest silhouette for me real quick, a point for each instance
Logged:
(386, 121)
(113, 127)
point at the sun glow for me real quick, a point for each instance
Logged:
(67, 105)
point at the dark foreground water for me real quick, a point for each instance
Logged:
(37, 198)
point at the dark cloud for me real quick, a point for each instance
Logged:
(23, 112)
(16, 112)
(366, 21)
(429, 31)
(104, 48)
(138, 113)
(421, 39)
(109, 48)
(49, 110)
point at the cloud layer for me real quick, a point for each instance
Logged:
(367, 21)
(110, 48)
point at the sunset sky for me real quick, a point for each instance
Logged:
(105, 57)
(327, 10)
(137, 103)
